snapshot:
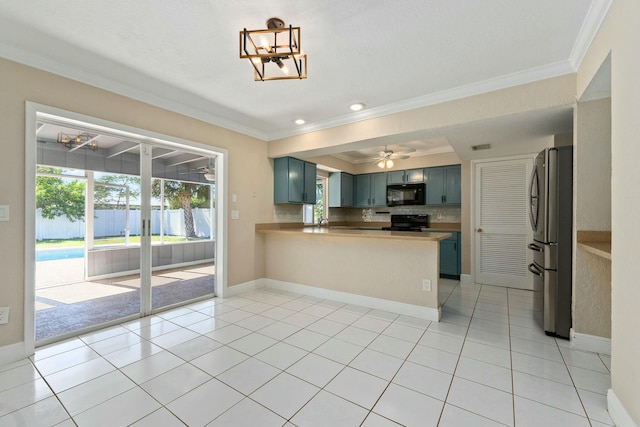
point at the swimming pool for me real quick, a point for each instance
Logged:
(59, 253)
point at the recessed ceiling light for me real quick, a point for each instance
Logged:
(356, 106)
(299, 121)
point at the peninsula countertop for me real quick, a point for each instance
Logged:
(343, 231)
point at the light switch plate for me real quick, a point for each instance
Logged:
(4, 212)
(235, 214)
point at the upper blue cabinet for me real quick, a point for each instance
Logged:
(405, 176)
(443, 185)
(370, 190)
(294, 181)
(340, 190)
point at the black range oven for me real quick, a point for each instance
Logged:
(414, 222)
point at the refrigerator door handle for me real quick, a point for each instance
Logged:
(535, 270)
(534, 200)
(535, 247)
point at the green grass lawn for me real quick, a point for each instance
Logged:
(104, 241)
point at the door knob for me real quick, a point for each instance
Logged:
(479, 230)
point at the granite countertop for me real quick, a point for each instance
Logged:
(343, 231)
(435, 226)
(595, 242)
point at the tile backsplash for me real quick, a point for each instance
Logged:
(287, 213)
(436, 213)
(293, 213)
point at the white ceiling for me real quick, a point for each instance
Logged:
(391, 55)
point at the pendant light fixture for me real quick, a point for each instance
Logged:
(274, 53)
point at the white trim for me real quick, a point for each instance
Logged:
(194, 106)
(590, 343)
(590, 26)
(617, 411)
(13, 352)
(31, 158)
(466, 279)
(502, 82)
(421, 312)
(189, 105)
(243, 287)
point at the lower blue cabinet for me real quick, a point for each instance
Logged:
(450, 265)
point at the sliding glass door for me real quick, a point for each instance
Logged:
(143, 227)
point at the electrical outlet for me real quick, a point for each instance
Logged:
(4, 315)
(426, 284)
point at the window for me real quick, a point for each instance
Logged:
(313, 213)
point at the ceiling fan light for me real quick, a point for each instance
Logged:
(381, 164)
(389, 163)
(210, 176)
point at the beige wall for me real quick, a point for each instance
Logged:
(361, 266)
(413, 124)
(592, 201)
(620, 36)
(248, 165)
(592, 170)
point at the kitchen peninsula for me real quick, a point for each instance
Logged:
(388, 270)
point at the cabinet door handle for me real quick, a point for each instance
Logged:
(444, 198)
(455, 246)
(479, 230)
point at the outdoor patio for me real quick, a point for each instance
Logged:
(65, 302)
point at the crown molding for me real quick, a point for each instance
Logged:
(590, 26)
(87, 77)
(503, 82)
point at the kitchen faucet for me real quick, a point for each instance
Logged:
(323, 221)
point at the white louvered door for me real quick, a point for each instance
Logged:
(502, 229)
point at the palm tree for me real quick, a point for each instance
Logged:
(183, 195)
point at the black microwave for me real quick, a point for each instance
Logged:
(405, 194)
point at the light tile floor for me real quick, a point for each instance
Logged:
(271, 358)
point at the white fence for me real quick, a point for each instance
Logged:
(111, 222)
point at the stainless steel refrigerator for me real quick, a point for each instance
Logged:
(551, 216)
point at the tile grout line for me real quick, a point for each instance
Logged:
(464, 340)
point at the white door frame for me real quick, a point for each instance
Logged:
(32, 112)
(472, 231)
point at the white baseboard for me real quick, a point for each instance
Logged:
(241, 288)
(418, 311)
(617, 411)
(12, 352)
(466, 279)
(590, 343)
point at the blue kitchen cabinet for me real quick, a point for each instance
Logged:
(340, 190)
(294, 181)
(450, 265)
(443, 185)
(405, 176)
(370, 190)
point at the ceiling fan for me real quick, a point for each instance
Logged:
(386, 157)
(209, 171)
